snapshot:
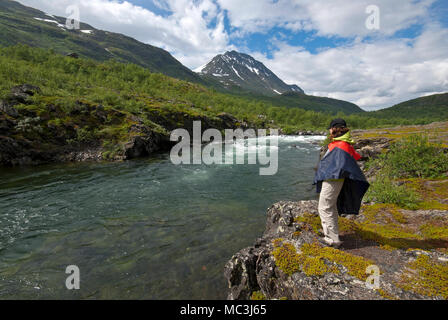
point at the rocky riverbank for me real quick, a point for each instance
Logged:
(44, 131)
(409, 247)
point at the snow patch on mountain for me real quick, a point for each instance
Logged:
(52, 21)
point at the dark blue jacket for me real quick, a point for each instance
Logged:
(339, 163)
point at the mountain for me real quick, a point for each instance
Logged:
(24, 25)
(433, 106)
(241, 74)
(235, 69)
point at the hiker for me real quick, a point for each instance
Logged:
(340, 182)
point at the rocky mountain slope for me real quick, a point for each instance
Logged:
(241, 74)
(409, 247)
(24, 25)
(238, 69)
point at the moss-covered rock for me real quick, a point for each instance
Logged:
(289, 261)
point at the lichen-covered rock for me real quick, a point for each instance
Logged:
(22, 93)
(288, 262)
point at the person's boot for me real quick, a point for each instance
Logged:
(332, 244)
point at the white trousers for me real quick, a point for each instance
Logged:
(328, 210)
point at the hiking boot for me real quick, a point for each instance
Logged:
(326, 243)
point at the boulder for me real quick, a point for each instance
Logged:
(228, 119)
(8, 109)
(73, 55)
(22, 93)
(145, 142)
(288, 227)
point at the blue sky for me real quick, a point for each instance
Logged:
(322, 46)
(310, 40)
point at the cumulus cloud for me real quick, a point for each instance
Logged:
(329, 18)
(193, 31)
(371, 74)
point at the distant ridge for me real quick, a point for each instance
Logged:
(432, 106)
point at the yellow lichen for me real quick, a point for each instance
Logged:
(258, 295)
(426, 276)
(386, 295)
(311, 220)
(430, 231)
(316, 261)
(355, 265)
(287, 258)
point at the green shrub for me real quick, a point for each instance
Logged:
(416, 157)
(413, 157)
(84, 135)
(385, 190)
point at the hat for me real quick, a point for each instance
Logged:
(337, 123)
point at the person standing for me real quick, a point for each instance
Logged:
(340, 181)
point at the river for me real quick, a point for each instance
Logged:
(144, 229)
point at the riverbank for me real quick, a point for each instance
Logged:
(408, 246)
(88, 132)
(31, 135)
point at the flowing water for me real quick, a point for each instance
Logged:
(143, 229)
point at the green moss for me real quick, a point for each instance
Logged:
(356, 265)
(431, 231)
(311, 220)
(314, 266)
(387, 247)
(316, 261)
(384, 224)
(432, 205)
(111, 150)
(257, 295)
(431, 191)
(287, 258)
(278, 242)
(386, 295)
(426, 276)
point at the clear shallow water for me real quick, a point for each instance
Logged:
(142, 229)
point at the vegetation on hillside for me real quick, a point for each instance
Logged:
(131, 88)
(409, 158)
(420, 109)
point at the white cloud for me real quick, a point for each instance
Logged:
(329, 18)
(371, 74)
(186, 33)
